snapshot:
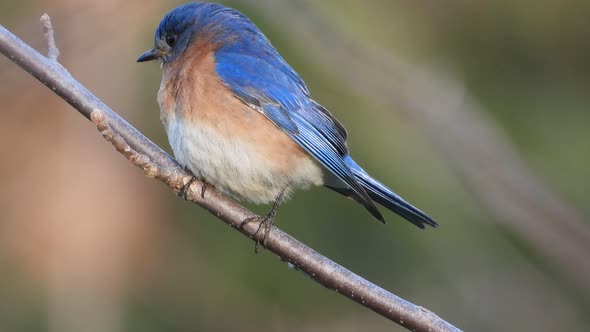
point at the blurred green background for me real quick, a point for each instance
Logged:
(476, 112)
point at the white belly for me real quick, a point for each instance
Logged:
(234, 167)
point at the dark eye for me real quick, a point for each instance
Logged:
(171, 40)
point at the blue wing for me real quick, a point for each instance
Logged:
(272, 87)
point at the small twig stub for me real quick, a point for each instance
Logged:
(52, 50)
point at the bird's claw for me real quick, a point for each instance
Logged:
(266, 224)
(184, 190)
(204, 189)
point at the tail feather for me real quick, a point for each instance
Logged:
(382, 195)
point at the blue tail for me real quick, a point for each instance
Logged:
(382, 195)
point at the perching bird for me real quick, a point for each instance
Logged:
(241, 119)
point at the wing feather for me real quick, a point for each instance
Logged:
(283, 98)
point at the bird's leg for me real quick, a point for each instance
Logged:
(266, 221)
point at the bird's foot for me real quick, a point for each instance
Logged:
(266, 223)
(184, 190)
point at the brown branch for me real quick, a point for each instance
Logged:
(159, 165)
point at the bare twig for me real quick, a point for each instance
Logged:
(158, 164)
(52, 50)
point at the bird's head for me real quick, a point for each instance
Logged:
(220, 26)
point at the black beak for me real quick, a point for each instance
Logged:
(148, 56)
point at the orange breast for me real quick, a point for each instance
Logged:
(202, 98)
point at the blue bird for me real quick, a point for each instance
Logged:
(241, 119)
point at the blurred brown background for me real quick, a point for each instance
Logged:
(477, 112)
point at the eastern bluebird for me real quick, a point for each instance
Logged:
(240, 118)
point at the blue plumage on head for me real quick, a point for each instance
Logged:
(226, 28)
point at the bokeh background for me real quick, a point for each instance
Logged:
(477, 112)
